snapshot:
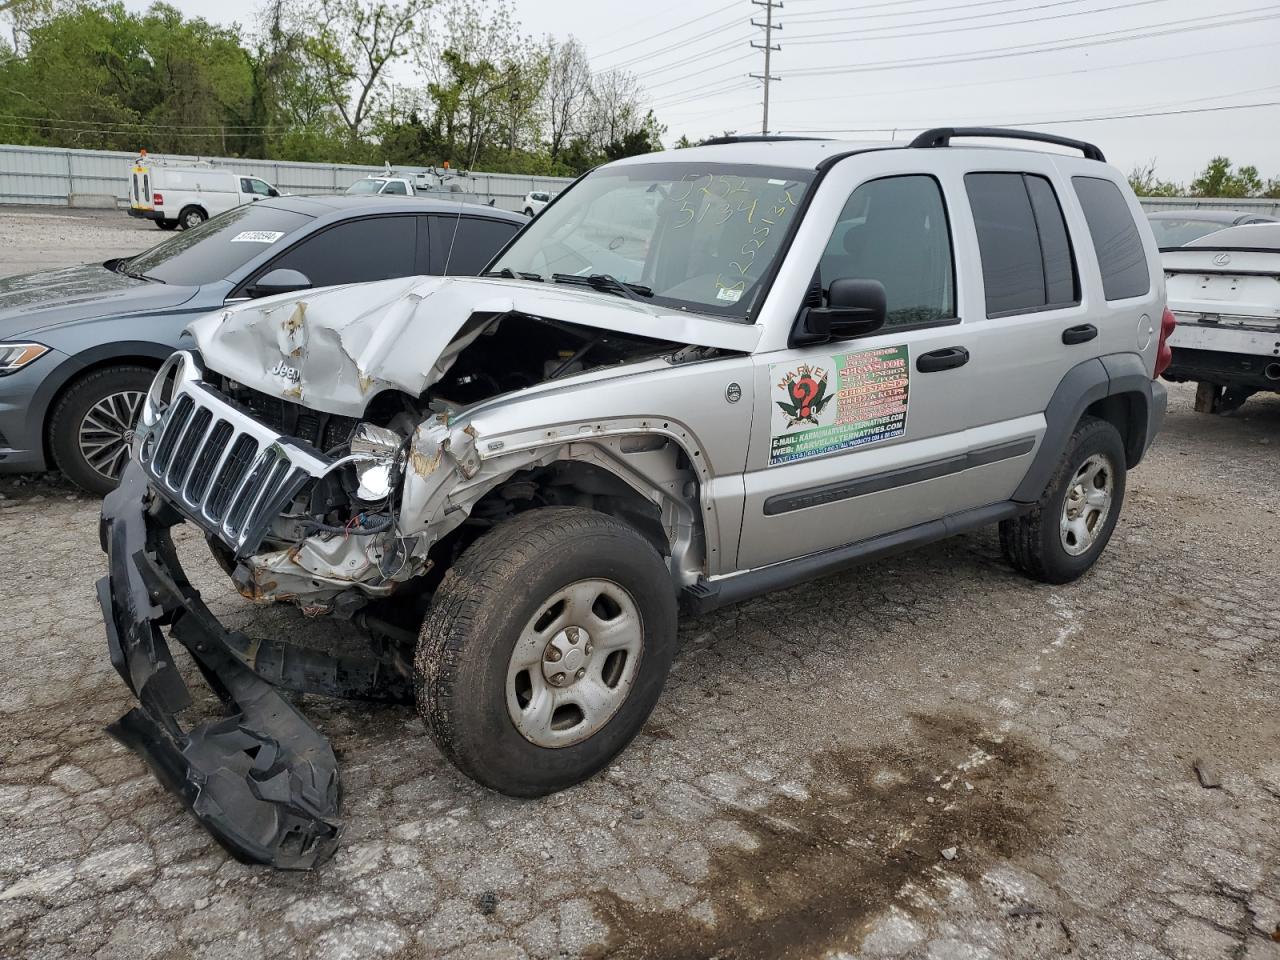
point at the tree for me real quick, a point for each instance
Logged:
(1145, 183)
(1218, 180)
(567, 92)
(350, 49)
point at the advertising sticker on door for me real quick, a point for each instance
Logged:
(837, 402)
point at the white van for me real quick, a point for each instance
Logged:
(187, 193)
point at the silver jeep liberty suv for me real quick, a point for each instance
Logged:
(696, 376)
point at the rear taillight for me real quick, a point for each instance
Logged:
(157, 199)
(1164, 353)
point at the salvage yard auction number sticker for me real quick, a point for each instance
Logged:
(838, 402)
(257, 236)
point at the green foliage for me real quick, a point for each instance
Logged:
(1219, 180)
(311, 82)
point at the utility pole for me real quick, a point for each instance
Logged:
(768, 47)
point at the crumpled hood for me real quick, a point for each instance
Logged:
(35, 301)
(333, 349)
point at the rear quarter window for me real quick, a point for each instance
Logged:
(1116, 241)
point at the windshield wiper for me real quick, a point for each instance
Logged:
(121, 266)
(509, 274)
(606, 283)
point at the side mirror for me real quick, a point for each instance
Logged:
(854, 309)
(272, 192)
(278, 281)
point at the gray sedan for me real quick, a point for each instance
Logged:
(79, 346)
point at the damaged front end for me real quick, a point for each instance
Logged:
(262, 780)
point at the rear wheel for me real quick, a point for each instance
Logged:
(545, 650)
(192, 217)
(92, 425)
(1066, 532)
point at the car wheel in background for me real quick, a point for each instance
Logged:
(528, 211)
(1067, 530)
(92, 425)
(167, 224)
(191, 217)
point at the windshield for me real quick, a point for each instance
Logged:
(699, 236)
(217, 247)
(366, 186)
(1174, 233)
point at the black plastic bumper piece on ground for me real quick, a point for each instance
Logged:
(262, 780)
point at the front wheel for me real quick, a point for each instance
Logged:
(545, 650)
(92, 425)
(1066, 532)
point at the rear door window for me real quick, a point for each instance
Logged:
(1116, 240)
(1027, 264)
(463, 246)
(357, 251)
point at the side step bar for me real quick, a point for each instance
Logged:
(707, 595)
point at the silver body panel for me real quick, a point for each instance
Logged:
(707, 467)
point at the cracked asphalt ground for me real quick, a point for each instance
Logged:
(927, 757)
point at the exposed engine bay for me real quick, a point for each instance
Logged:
(348, 537)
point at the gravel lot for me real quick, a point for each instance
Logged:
(38, 238)
(815, 758)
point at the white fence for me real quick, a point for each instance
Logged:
(54, 175)
(1266, 208)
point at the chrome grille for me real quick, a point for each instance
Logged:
(215, 463)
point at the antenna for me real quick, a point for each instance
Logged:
(768, 47)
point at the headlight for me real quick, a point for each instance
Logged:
(378, 452)
(15, 356)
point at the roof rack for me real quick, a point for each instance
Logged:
(941, 137)
(751, 138)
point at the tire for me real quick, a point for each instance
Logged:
(191, 217)
(1055, 544)
(92, 452)
(483, 625)
(528, 211)
(167, 224)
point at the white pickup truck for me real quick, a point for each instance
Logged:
(1224, 291)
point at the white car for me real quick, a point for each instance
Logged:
(1224, 291)
(534, 201)
(186, 194)
(383, 186)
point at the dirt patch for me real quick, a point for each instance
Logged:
(873, 823)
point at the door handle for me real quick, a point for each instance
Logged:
(1081, 334)
(948, 358)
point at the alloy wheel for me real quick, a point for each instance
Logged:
(107, 431)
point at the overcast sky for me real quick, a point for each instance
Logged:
(863, 69)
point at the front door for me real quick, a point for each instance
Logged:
(864, 437)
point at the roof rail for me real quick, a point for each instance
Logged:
(941, 137)
(751, 138)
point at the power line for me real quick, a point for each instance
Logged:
(860, 14)
(855, 35)
(667, 67)
(1019, 50)
(768, 47)
(697, 73)
(664, 32)
(646, 57)
(1037, 76)
(1045, 123)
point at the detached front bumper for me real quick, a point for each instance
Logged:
(262, 780)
